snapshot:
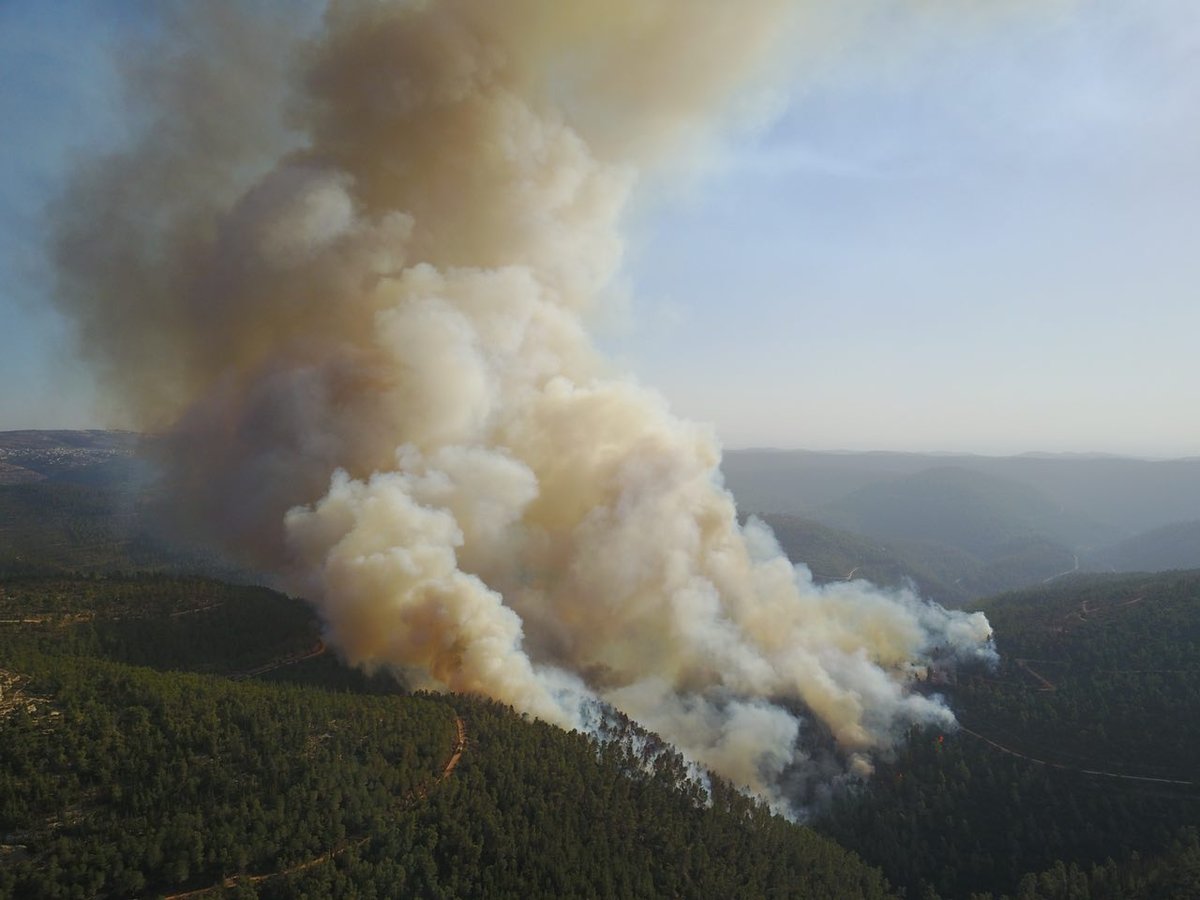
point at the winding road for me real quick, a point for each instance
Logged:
(1070, 571)
(1042, 762)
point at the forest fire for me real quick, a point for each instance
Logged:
(351, 272)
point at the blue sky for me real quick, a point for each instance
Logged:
(59, 98)
(951, 238)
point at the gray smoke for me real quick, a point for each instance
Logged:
(350, 269)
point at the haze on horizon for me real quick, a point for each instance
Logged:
(948, 239)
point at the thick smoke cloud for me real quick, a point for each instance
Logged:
(349, 271)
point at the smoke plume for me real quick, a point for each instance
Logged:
(349, 267)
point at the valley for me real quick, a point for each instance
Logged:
(168, 732)
(961, 528)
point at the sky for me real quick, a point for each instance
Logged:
(947, 237)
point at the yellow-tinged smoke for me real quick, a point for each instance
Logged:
(349, 270)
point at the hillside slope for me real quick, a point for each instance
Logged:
(85, 501)
(978, 513)
(119, 780)
(1175, 546)
(935, 570)
(1076, 756)
(946, 574)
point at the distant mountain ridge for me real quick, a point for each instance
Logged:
(959, 527)
(941, 572)
(1126, 494)
(166, 734)
(974, 510)
(956, 527)
(1175, 546)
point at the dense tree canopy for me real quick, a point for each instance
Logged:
(1079, 750)
(121, 780)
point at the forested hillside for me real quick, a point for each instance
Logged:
(1079, 750)
(942, 572)
(269, 768)
(953, 533)
(168, 734)
(1174, 546)
(86, 501)
(831, 554)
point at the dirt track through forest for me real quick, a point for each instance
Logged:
(419, 794)
(317, 649)
(1042, 762)
(1045, 684)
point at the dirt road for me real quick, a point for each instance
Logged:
(1042, 762)
(456, 753)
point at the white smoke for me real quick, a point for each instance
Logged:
(367, 333)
